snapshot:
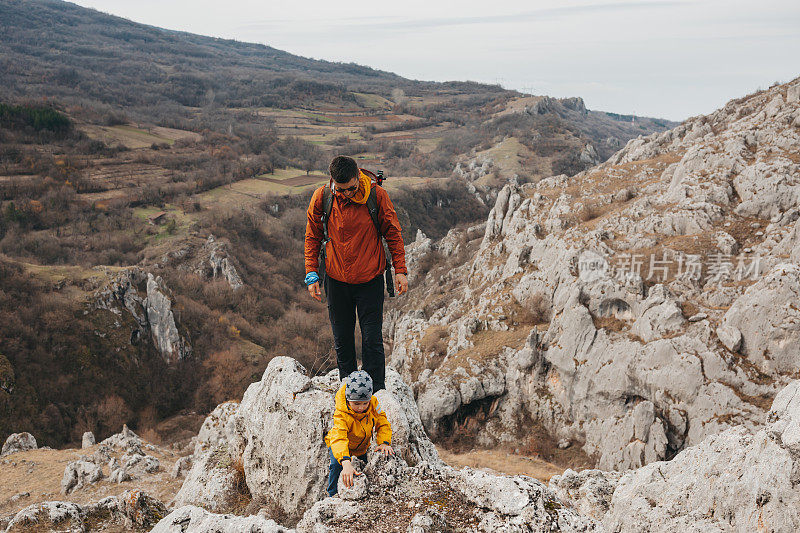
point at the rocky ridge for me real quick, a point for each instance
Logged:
(635, 308)
(267, 452)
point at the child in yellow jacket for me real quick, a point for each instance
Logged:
(356, 418)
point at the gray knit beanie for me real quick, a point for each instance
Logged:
(358, 386)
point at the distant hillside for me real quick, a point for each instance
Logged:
(57, 49)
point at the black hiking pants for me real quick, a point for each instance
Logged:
(345, 301)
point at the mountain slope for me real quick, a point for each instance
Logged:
(632, 309)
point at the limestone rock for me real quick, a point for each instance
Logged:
(53, 516)
(730, 337)
(88, 440)
(736, 480)
(133, 510)
(360, 486)
(218, 428)
(221, 264)
(164, 331)
(18, 442)
(191, 518)
(181, 466)
(431, 521)
(769, 320)
(589, 490)
(288, 406)
(212, 483)
(80, 473)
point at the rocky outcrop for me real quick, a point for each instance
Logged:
(132, 510)
(213, 482)
(87, 441)
(18, 442)
(288, 406)
(191, 518)
(277, 435)
(221, 264)
(79, 474)
(737, 480)
(133, 464)
(635, 308)
(152, 313)
(163, 329)
(209, 258)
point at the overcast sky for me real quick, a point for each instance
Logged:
(661, 58)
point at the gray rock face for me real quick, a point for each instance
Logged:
(221, 264)
(88, 440)
(589, 490)
(768, 320)
(217, 429)
(733, 481)
(80, 473)
(49, 515)
(18, 442)
(212, 482)
(288, 406)
(152, 312)
(165, 334)
(191, 518)
(131, 510)
(124, 440)
(359, 489)
(181, 467)
(612, 363)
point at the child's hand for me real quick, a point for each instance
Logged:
(348, 472)
(385, 449)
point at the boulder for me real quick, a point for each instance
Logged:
(80, 473)
(88, 440)
(281, 423)
(124, 440)
(133, 510)
(181, 467)
(769, 321)
(18, 442)
(49, 516)
(191, 518)
(213, 482)
(734, 481)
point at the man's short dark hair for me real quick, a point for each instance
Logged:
(343, 169)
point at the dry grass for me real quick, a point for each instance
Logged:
(435, 340)
(486, 345)
(502, 461)
(610, 323)
(689, 309)
(39, 473)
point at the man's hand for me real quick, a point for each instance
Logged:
(348, 472)
(401, 283)
(315, 291)
(385, 449)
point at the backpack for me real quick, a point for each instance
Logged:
(372, 207)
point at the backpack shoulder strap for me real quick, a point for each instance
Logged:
(372, 201)
(372, 206)
(327, 204)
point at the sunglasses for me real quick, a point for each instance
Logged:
(349, 189)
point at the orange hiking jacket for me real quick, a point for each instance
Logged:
(352, 432)
(355, 254)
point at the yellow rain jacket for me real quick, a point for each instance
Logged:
(351, 431)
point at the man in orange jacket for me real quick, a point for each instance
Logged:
(354, 264)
